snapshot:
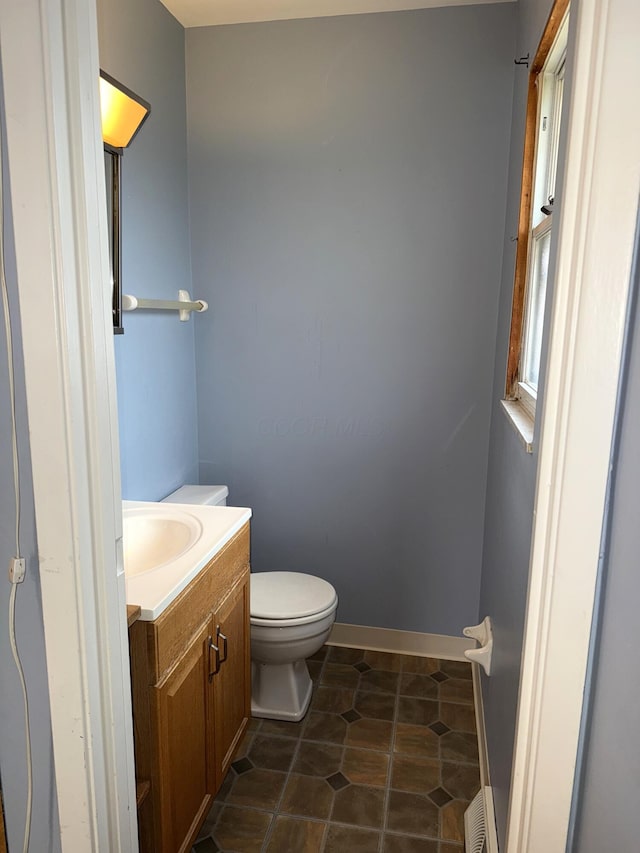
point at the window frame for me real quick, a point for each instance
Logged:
(515, 389)
(536, 234)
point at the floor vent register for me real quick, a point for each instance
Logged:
(480, 824)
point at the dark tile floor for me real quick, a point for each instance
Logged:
(385, 761)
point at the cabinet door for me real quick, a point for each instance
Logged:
(232, 684)
(185, 749)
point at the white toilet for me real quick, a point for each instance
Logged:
(291, 618)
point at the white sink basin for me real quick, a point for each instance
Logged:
(165, 546)
(152, 538)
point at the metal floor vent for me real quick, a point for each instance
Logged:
(480, 824)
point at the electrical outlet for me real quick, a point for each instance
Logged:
(17, 569)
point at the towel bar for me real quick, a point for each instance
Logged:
(184, 305)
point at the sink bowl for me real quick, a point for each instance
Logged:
(152, 538)
(166, 545)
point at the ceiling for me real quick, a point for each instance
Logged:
(205, 13)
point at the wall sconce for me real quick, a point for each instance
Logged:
(123, 114)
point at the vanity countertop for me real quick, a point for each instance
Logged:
(133, 614)
(155, 589)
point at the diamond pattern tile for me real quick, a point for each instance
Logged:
(439, 676)
(351, 716)
(207, 845)
(440, 797)
(385, 760)
(337, 781)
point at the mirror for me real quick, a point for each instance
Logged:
(112, 178)
(123, 114)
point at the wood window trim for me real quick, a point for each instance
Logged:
(549, 34)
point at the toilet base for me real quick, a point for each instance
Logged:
(280, 691)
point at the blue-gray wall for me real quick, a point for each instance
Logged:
(347, 196)
(45, 835)
(512, 472)
(142, 46)
(608, 792)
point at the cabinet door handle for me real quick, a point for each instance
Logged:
(222, 637)
(213, 648)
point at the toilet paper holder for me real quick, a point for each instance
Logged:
(483, 633)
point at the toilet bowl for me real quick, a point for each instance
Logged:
(291, 618)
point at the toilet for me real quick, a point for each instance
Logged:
(291, 618)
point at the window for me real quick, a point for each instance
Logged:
(535, 225)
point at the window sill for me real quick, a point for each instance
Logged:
(521, 421)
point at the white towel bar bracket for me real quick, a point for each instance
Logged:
(184, 305)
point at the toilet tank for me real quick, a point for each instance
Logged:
(203, 495)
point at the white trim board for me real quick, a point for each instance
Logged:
(207, 13)
(399, 642)
(485, 775)
(50, 72)
(595, 250)
(491, 840)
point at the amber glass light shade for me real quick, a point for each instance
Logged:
(123, 112)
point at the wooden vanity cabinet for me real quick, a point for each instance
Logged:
(199, 697)
(182, 715)
(232, 684)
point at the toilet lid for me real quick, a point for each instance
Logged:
(288, 595)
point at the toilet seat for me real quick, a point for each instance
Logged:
(283, 599)
(290, 623)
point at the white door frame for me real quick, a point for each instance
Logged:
(595, 251)
(50, 65)
(50, 74)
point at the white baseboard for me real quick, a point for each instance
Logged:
(491, 837)
(401, 642)
(485, 777)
